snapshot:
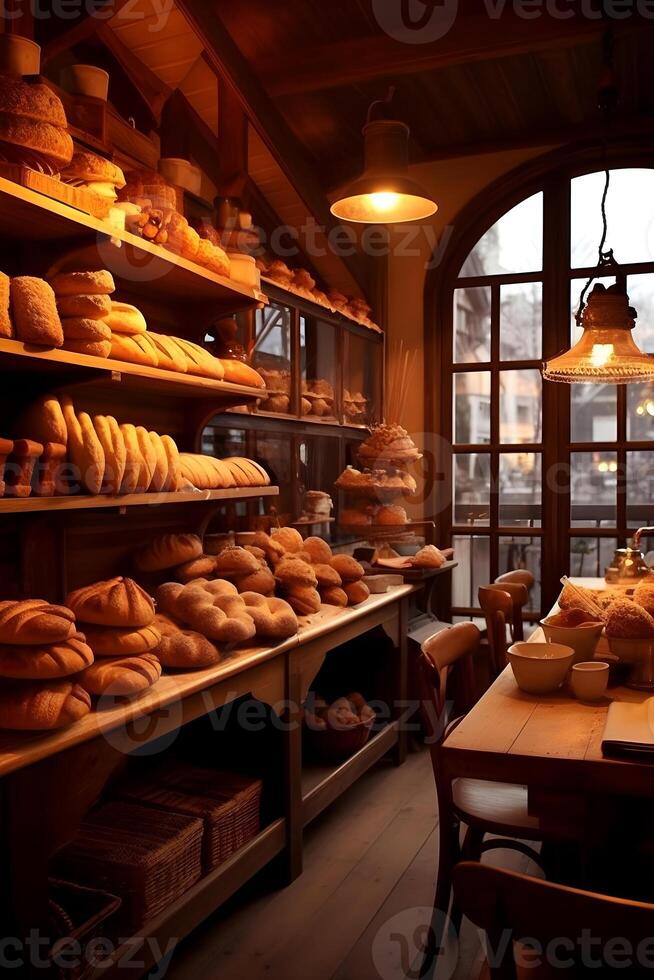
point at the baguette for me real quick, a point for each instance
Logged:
(199, 361)
(44, 421)
(149, 457)
(133, 460)
(175, 477)
(136, 350)
(115, 453)
(84, 448)
(160, 477)
(239, 373)
(171, 356)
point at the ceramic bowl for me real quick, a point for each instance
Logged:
(582, 639)
(540, 668)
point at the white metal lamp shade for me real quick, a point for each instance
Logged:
(606, 352)
(385, 194)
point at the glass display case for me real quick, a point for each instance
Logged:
(363, 373)
(319, 369)
(272, 356)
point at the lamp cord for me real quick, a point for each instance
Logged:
(606, 258)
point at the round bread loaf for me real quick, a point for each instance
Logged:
(91, 168)
(52, 143)
(295, 572)
(121, 678)
(289, 538)
(26, 706)
(93, 307)
(274, 550)
(202, 567)
(356, 592)
(83, 283)
(327, 577)
(36, 663)
(261, 582)
(212, 608)
(335, 597)
(86, 329)
(92, 348)
(347, 567)
(319, 550)
(118, 602)
(168, 551)
(274, 619)
(35, 621)
(122, 642)
(305, 601)
(181, 649)
(236, 563)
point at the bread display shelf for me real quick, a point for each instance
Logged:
(33, 505)
(26, 215)
(17, 356)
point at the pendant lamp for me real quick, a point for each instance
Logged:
(385, 193)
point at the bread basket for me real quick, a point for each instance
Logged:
(336, 744)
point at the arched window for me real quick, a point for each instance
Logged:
(542, 476)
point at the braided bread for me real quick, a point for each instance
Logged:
(274, 619)
(212, 608)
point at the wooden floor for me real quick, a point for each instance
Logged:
(367, 887)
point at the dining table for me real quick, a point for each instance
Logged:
(553, 745)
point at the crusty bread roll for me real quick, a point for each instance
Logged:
(6, 326)
(45, 662)
(123, 318)
(34, 312)
(335, 596)
(111, 642)
(33, 124)
(136, 350)
(118, 602)
(115, 453)
(182, 649)
(304, 601)
(174, 478)
(84, 448)
(19, 467)
(289, 538)
(91, 306)
(149, 457)
(318, 550)
(44, 421)
(121, 678)
(212, 608)
(35, 621)
(83, 284)
(327, 577)
(274, 618)
(274, 550)
(234, 563)
(239, 373)
(160, 476)
(168, 551)
(347, 567)
(86, 329)
(97, 348)
(356, 592)
(262, 582)
(26, 706)
(171, 356)
(133, 460)
(203, 567)
(293, 571)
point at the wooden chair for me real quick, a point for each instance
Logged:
(498, 608)
(506, 906)
(518, 584)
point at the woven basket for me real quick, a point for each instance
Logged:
(228, 804)
(149, 860)
(76, 915)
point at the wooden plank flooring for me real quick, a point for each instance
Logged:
(369, 876)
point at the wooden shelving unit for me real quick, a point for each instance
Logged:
(34, 505)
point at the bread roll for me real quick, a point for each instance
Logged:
(203, 567)
(45, 662)
(236, 563)
(6, 326)
(289, 538)
(174, 478)
(92, 307)
(122, 318)
(239, 373)
(118, 602)
(115, 453)
(305, 601)
(318, 550)
(334, 597)
(160, 476)
(327, 577)
(347, 567)
(84, 448)
(274, 619)
(136, 350)
(149, 457)
(50, 473)
(83, 284)
(295, 572)
(26, 706)
(19, 467)
(86, 329)
(44, 421)
(110, 642)
(121, 678)
(35, 621)
(182, 649)
(168, 551)
(34, 312)
(262, 582)
(133, 460)
(171, 356)
(357, 592)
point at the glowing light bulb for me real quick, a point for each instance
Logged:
(613, 467)
(641, 410)
(649, 408)
(603, 467)
(384, 201)
(601, 355)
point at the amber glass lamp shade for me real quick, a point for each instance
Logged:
(606, 352)
(385, 194)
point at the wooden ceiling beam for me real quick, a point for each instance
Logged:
(232, 67)
(472, 38)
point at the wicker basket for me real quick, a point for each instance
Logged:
(76, 915)
(228, 804)
(149, 860)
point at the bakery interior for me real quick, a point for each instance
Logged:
(326, 482)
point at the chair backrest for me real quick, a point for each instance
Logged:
(572, 928)
(519, 577)
(442, 652)
(498, 609)
(520, 598)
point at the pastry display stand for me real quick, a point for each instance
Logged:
(48, 782)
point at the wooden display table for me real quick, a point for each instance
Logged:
(48, 782)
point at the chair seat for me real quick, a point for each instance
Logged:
(498, 808)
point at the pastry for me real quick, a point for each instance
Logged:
(34, 312)
(145, 185)
(95, 174)
(327, 577)
(213, 258)
(149, 457)
(87, 330)
(6, 326)
(274, 619)
(334, 596)
(318, 550)
(19, 467)
(50, 475)
(357, 592)
(170, 354)
(91, 306)
(348, 568)
(236, 563)
(182, 239)
(262, 582)
(26, 706)
(108, 642)
(35, 622)
(238, 373)
(292, 572)
(122, 318)
(202, 567)
(273, 549)
(33, 126)
(83, 284)
(138, 349)
(181, 649)
(121, 678)
(44, 421)
(133, 460)
(115, 453)
(429, 557)
(118, 602)
(388, 444)
(392, 515)
(168, 551)
(350, 517)
(174, 478)
(289, 538)
(84, 448)
(45, 662)
(305, 601)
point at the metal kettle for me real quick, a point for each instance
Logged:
(629, 563)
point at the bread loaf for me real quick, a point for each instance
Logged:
(50, 474)
(6, 326)
(35, 621)
(318, 550)
(34, 312)
(133, 461)
(168, 551)
(212, 608)
(84, 448)
(90, 306)
(334, 596)
(295, 572)
(304, 600)
(43, 421)
(182, 649)
(199, 361)
(347, 567)
(121, 678)
(174, 478)
(110, 642)
(83, 284)
(84, 330)
(118, 602)
(137, 350)
(26, 706)
(115, 453)
(149, 458)
(239, 373)
(160, 475)
(357, 592)
(20, 466)
(124, 319)
(45, 662)
(170, 354)
(274, 619)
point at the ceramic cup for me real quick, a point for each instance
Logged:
(86, 80)
(589, 681)
(19, 55)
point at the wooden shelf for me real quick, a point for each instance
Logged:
(322, 785)
(50, 504)
(26, 215)
(73, 368)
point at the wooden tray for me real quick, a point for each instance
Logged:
(75, 197)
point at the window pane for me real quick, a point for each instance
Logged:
(473, 556)
(472, 325)
(521, 321)
(363, 370)
(472, 394)
(520, 406)
(472, 483)
(593, 488)
(524, 553)
(520, 489)
(641, 290)
(630, 211)
(640, 489)
(513, 244)
(590, 557)
(272, 356)
(593, 416)
(640, 412)
(275, 453)
(318, 358)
